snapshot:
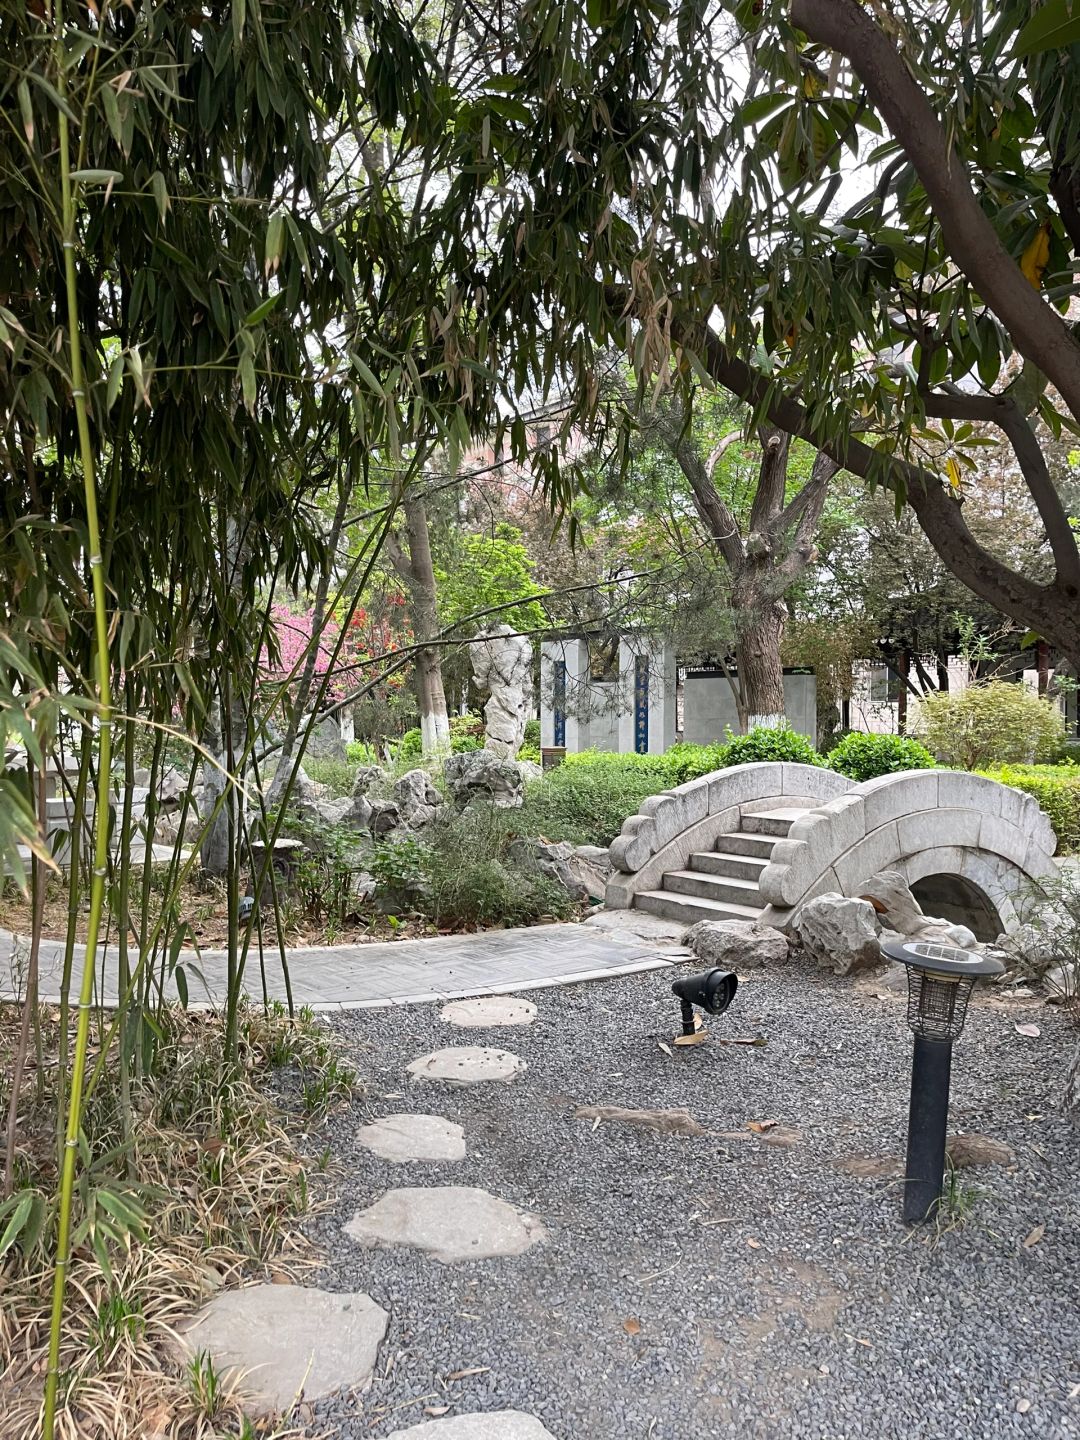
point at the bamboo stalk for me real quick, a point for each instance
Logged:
(104, 747)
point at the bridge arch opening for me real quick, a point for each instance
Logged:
(960, 901)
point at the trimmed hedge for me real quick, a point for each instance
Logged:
(864, 757)
(1056, 788)
(586, 799)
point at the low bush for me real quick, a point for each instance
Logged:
(996, 723)
(864, 757)
(586, 799)
(532, 733)
(1056, 788)
(687, 762)
(769, 744)
(470, 881)
(466, 733)
(361, 753)
(336, 775)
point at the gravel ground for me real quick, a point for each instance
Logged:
(701, 1287)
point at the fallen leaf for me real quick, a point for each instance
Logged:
(1035, 1236)
(754, 1244)
(632, 1326)
(470, 1370)
(666, 1048)
(744, 1040)
(760, 1126)
(1030, 1032)
(436, 1409)
(698, 1038)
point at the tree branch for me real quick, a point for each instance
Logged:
(972, 242)
(772, 479)
(1001, 411)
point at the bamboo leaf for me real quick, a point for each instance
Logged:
(97, 177)
(115, 381)
(248, 381)
(261, 311)
(161, 193)
(24, 1204)
(26, 109)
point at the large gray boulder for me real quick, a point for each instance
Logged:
(559, 863)
(840, 933)
(482, 775)
(325, 741)
(736, 944)
(899, 911)
(417, 799)
(502, 665)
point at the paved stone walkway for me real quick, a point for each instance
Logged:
(354, 977)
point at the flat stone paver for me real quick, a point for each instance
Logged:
(287, 1340)
(497, 1425)
(414, 1137)
(486, 1012)
(449, 1222)
(461, 1065)
(446, 967)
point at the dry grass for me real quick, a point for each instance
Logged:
(202, 906)
(222, 1187)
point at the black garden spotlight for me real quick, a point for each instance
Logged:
(712, 992)
(940, 981)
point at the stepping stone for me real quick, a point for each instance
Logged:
(485, 1011)
(497, 1425)
(414, 1137)
(467, 1065)
(286, 1338)
(450, 1222)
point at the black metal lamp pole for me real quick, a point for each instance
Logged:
(940, 981)
(928, 1122)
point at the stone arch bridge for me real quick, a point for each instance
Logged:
(755, 842)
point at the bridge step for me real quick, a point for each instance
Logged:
(741, 867)
(690, 909)
(725, 889)
(738, 843)
(770, 822)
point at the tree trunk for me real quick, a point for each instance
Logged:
(760, 619)
(430, 693)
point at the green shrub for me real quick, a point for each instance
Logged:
(1056, 788)
(466, 733)
(337, 775)
(996, 723)
(532, 734)
(687, 762)
(361, 753)
(400, 864)
(530, 752)
(470, 882)
(1068, 753)
(764, 743)
(863, 757)
(410, 746)
(586, 799)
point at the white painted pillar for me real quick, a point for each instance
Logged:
(647, 683)
(564, 694)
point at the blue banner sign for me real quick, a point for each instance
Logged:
(641, 704)
(560, 702)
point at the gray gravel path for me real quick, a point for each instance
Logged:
(701, 1287)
